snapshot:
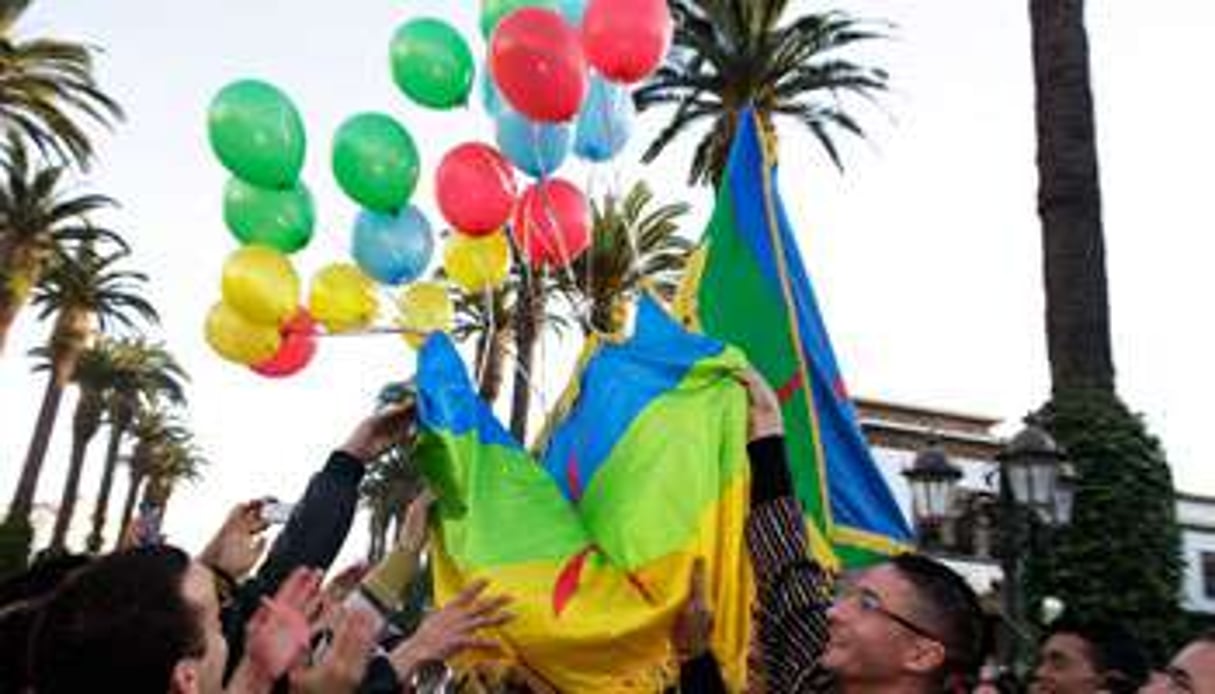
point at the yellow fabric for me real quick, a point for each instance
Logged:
(610, 638)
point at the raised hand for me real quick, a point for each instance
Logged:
(388, 426)
(452, 630)
(693, 629)
(763, 413)
(412, 536)
(278, 635)
(239, 543)
(341, 670)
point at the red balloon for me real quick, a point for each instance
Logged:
(626, 40)
(537, 62)
(475, 187)
(552, 223)
(295, 350)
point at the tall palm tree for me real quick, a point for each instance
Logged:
(147, 374)
(46, 86)
(176, 461)
(93, 377)
(635, 246)
(153, 430)
(486, 318)
(731, 53)
(39, 220)
(9, 11)
(84, 291)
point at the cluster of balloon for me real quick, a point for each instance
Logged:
(556, 81)
(258, 135)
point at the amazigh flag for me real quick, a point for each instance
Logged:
(644, 472)
(748, 286)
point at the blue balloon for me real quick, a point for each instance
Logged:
(393, 249)
(606, 121)
(536, 149)
(491, 99)
(573, 11)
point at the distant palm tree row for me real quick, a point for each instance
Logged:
(56, 260)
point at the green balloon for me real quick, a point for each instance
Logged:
(257, 134)
(280, 219)
(375, 162)
(432, 64)
(492, 11)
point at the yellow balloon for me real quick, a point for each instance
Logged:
(260, 283)
(343, 298)
(238, 339)
(477, 263)
(424, 308)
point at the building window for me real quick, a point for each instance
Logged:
(1208, 574)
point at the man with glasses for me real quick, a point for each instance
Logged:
(909, 625)
(1192, 670)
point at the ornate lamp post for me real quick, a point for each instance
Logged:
(933, 481)
(1036, 486)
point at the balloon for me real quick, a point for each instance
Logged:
(475, 188)
(573, 11)
(536, 149)
(626, 40)
(342, 298)
(552, 223)
(431, 63)
(605, 122)
(281, 219)
(238, 339)
(257, 134)
(375, 162)
(538, 64)
(393, 249)
(477, 263)
(424, 308)
(491, 100)
(296, 349)
(260, 283)
(492, 11)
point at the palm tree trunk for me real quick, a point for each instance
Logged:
(490, 353)
(528, 315)
(23, 498)
(117, 428)
(85, 426)
(1069, 200)
(128, 507)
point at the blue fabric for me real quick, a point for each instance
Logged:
(618, 382)
(447, 399)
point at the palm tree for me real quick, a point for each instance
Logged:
(147, 374)
(153, 430)
(390, 485)
(84, 292)
(45, 86)
(486, 317)
(176, 460)
(39, 220)
(94, 376)
(634, 247)
(731, 53)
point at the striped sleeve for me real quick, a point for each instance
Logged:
(793, 599)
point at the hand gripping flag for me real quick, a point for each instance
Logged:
(747, 286)
(645, 472)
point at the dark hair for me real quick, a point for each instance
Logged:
(42, 577)
(123, 621)
(952, 609)
(1116, 654)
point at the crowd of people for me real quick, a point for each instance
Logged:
(243, 619)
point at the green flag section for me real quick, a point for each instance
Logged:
(748, 286)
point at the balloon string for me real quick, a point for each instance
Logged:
(491, 328)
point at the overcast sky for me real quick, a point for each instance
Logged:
(925, 255)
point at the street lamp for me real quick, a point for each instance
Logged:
(933, 481)
(1035, 483)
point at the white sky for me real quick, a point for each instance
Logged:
(925, 255)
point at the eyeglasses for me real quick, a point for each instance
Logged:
(871, 603)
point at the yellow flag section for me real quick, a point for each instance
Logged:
(645, 472)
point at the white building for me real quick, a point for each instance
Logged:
(1196, 517)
